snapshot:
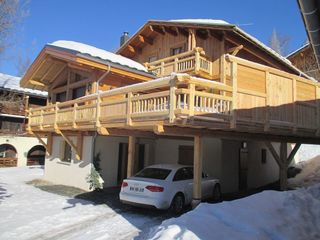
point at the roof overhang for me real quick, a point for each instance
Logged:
(174, 27)
(310, 11)
(52, 61)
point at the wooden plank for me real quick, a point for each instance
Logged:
(191, 98)
(273, 152)
(293, 153)
(294, 105)
(234, 77)
(197, 169)
(131, 154)
(268, 89)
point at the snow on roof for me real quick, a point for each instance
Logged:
(13, 83)
(297, 50)
(99, 53)
(202, 21)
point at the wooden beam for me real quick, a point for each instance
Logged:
(47, 147)
(131, 154)
(197, 171)
(58, 72)
(183, 31)
(157, 29)
(273, 152)
(202, 33)
(36, 82)
(293, 153)
(131, 49)
(171, 31)
(234, 50)
(158, 129)
(283, 166)
(145, 39)
(76, 147)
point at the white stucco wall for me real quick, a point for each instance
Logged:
(22, 145)
(73, 173)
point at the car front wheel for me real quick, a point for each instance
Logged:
(177, 204)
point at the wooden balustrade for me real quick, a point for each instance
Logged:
(194, 61)
(254, 97)
(8, 162)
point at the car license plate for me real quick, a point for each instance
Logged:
(136, 189)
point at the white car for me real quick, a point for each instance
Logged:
(166, 186)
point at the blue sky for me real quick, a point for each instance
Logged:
(101, 22)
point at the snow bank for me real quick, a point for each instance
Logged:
(267, 215)
(309, 175)
(97, 52)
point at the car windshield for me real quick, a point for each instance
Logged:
(155, 173)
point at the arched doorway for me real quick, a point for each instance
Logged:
(8, 155)
(36, 155)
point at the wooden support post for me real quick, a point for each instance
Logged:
(234, 69)
(75, 106)
(192, 90)
(293, 153)
(283, 166)
(76, 147)
(173, 101)
(318, 109)
(197, 171)
(49, 144)
(197, 61)
(131, 154)
(46, 145)
(129, 109)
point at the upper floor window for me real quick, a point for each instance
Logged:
(176, 50)
(61, 97)
(78, 92)
(152, 58)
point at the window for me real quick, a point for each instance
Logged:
(154, 173)
(78, 92)
(152, 59)
(263, 156)
(175, 51)
(185, 173)
(65, 152)
(61, 97)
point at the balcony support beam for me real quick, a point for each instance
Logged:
(48, 145)
(76, 147)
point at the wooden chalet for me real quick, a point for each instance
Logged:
(201, 78)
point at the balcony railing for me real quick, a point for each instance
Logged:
(254, 98)
(193, 62)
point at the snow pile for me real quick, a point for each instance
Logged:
(30, 213)
(97, 52)
(309, 175)
(267, 215)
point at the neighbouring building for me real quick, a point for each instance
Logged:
(198, 91)
(17, 147)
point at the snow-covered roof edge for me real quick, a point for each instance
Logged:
(298, 50)
(12, 83)
(99, 53)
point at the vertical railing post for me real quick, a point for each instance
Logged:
(172, 101)
(56, 108)
(98, 113)
(234, 69)
(129, 109)
(41, 121)
(267, 112)
(197, 61)
(74, 124)
(162, 69)
(30, 119)
(175, 67)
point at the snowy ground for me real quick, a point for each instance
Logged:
(293, 215)
(30, 213)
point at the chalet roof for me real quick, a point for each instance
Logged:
(98, 53)
(218, 24)
(12, 83)
(304, 46)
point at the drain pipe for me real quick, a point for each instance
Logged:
(98, 95)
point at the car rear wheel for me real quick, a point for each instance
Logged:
(216, 193)
(177, 204)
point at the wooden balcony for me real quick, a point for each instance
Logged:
(194, 62)
(258, 99)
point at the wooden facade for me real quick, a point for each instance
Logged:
(305, 60)
(213, 81)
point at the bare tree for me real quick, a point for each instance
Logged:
(279, 43)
